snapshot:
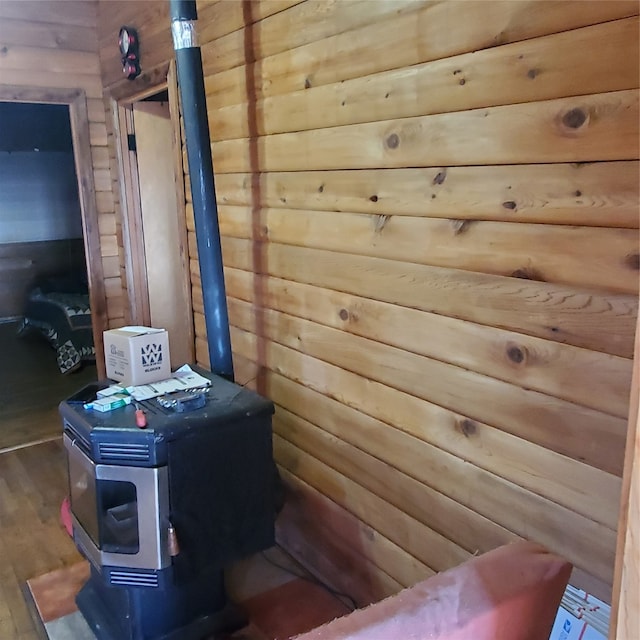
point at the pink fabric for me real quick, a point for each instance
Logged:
(65, 516)
(511, 593)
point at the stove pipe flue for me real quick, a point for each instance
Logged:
(196, 126)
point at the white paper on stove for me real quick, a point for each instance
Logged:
(183, 378)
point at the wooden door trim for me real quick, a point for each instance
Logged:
(131, 216)
(625, 616)
(122, 100)
(76, 100)
(145, 85)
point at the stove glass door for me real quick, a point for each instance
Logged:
(118, 516)
(82, 489)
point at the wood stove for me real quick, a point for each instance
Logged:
(205, 475)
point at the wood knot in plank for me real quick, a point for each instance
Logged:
(510, 204)
(516, 353)
(468, 427)
(321, 188)
(440, 177)
(532, 73)
(381, 222)
(393, 141)
(575, 118)
(350, 315)
(307, 83)
(460, 226)
(633, 261)
(373, 198)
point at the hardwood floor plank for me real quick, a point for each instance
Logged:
(33, 483)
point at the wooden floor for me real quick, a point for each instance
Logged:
(33, 482)
(33, 477)
(31, 387)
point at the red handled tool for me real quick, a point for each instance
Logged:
(141, 417)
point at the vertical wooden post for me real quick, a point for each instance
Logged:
(625, 611)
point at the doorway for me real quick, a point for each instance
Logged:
(76, 101)
(48, 258)
(154, 217)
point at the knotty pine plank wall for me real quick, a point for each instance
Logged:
(53, 44)
(430, 229)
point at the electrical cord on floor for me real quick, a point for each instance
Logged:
(350, 602)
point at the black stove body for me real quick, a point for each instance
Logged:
(160, 511)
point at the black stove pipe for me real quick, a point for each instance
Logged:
(184, 17)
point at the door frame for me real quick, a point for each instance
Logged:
(626, 585)
(76, 100)
(121, 99)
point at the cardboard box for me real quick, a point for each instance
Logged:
(137, 355)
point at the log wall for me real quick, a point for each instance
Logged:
(430, 220)
(430, 230)
(53, 45)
